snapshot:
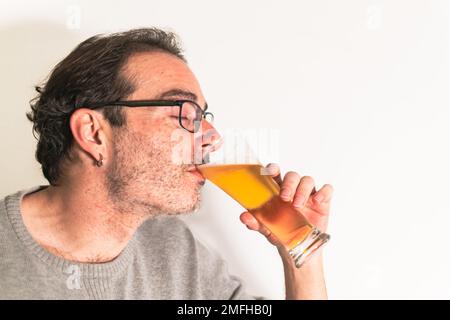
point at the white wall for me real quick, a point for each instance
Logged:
(358, 90)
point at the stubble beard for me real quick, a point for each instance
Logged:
(143, 181)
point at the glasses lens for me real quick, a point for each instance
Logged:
(190, 116)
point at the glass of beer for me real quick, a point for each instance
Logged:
(250, 185)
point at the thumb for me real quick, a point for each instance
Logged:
(250, 221)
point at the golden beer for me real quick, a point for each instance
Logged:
(259, 194)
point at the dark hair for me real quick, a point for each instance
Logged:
(92, 72)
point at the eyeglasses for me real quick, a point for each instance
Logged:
(190, 114)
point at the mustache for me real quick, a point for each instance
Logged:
(194, 162)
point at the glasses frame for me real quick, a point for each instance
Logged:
(158, 103)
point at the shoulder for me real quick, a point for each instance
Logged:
(171, 237)
(164, 234)
(166, 228)
(3, 213)
(195, 271)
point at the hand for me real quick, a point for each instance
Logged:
(313, 205)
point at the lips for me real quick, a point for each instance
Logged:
(192, 168)
(195, 172)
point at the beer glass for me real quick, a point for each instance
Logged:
(246, 180)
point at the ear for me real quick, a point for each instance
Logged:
(90, 132)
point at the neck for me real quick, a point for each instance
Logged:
(79, 222)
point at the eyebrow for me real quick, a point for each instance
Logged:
(173, 93)
(178, 93)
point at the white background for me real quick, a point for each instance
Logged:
(358, 89)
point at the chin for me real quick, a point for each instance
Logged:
(192, 204)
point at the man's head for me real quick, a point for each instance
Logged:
(139, 172)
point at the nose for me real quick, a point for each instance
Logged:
(211, 138)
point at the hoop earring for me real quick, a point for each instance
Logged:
(99, 163)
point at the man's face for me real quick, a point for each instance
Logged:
(143, 176)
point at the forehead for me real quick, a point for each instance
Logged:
(156, 72)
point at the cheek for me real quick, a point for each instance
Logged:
(138, 149)
(159, 153)
(158, 145)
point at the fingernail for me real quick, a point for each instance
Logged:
(285, 193)
(299, 201)
(270, 170)
(265, 171)
(318, 198)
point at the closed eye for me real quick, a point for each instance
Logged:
(183, 118)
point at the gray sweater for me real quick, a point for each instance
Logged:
(162, 261)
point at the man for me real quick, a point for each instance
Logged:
(106, 226)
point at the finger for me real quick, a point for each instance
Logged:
(289, 186)
(250, 221)
(325, 194)
(273, 170)
(304, 190)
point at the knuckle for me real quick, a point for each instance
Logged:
(307, 180)
(292, 176)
